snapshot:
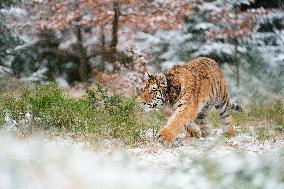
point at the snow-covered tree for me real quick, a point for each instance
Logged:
(225, 30)
(90, 33)
(8, 40)
(268, 40)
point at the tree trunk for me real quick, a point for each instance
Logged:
(237, 63)
(101, 67)
(83, 68)
(238, 73)
(114, 41)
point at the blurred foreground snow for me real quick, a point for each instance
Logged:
(38, 162)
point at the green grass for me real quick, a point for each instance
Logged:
(267, 119)
(97, 113)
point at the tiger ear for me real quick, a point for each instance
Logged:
(162, 78)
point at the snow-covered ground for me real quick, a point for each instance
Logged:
(242, 162)
(213, 146)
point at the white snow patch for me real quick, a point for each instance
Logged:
(36, 76)
(204, 26)
(10, 124)
(62, 82)
(39, 162)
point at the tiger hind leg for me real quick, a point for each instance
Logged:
(205, 126)
(226, 118)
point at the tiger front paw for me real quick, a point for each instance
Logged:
(165, 136)
(231, 133)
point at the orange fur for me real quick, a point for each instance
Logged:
(192, 89)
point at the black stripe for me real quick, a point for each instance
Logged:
(224, 116)
(212, 89)
(213, 85)
(226, 123)
(201, 116)
(200, 122)
(218, 91)
(160, 98)
(221, 114)
(225, 109)
(223, 102)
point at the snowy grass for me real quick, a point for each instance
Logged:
(42, 163)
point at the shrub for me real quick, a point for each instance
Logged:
(98, 112)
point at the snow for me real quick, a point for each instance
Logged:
(4, 71)
(67, 43)
(214, 145)
(211, 6)
(215, 5)
(168, 64)
(204, 26)
(219, 49)
(215, 47)
(10, 123)
(21, 47)
(39, 162)
(173, 39)
(15, 11)
(36, 76)
(62, 82)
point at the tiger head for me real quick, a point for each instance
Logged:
(153, 92)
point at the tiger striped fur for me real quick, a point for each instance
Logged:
(192, 90)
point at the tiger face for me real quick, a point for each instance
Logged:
(152, 95)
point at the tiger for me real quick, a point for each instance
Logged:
(191, 89)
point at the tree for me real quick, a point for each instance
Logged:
(255, 63)
(233, 25)
(218, 28)
(7, 39)
(90, 31)
(269, 41)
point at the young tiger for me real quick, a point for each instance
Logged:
(192, 89)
